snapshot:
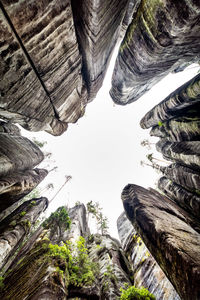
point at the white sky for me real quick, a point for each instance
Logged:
(102, 151)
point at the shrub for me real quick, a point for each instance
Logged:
(78, 264)
(58, 218)
(133, 293)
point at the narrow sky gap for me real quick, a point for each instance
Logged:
(102, 151)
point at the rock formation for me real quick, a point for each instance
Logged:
(97, 28)
(169, 224)
(168, 235)
(146, 272)
(53, 59)
(18, 157)
(157, 41)
(16, 227)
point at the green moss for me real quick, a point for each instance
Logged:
(22, 213)
(160, 124)
(133, 293)
(146, 15)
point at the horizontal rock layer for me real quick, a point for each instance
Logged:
(157, 41)
(184, 102)
(17, 153)
(15, 186)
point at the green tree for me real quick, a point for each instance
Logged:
(58, 220)
(94, 209)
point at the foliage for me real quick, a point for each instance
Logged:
(133, 293)
(95, 210)
(58, 218)
(80, 269)
(110, 274)
(160, 124)
(22, 213)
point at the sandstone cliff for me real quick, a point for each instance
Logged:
(157, 41)
(168, 222)
(146, 272)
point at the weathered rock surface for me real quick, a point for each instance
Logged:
(47, 48)
(114, 269)
(146, 271)
(17, 153)
(187, 153)
(180, 129)
(53, 59)
(183, 175)
(157, 41)
(97, 25)
(79, 224)
(15, 186)
(16, 226)
(167, 234)
(183, 197)
(178, 103)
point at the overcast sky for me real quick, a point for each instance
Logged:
(102, 151)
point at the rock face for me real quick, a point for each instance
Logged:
(146, 271)
(40, 271)
(53, 60)
(41, 52)
(169, 224)
(18, 157)
(157, 41)
(16, 226)
(15, 186)
(168, 236)
(97, 25)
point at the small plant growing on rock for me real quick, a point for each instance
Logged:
(133, 293)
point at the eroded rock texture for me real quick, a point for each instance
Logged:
(16, 226)
(42, 64)
(17, 153)
(97, 25)
(157, 41)
(18, 157)
(15, 186)
(167, 234)
(170, 225)
(53, 60)
(182, 108)
(146, 271)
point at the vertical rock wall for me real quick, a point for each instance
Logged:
(18, 157)
(146, 272)
(170, 225)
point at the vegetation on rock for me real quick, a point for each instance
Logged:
(133, 293)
